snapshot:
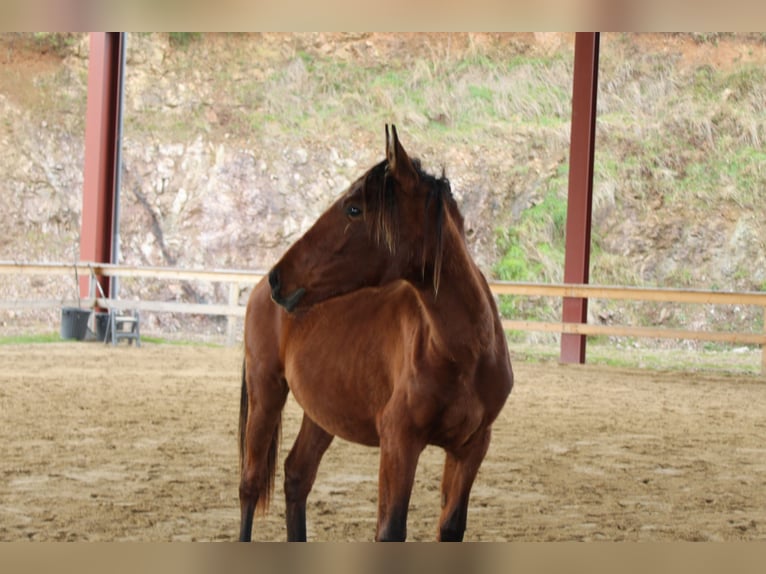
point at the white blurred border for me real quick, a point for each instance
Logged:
(389, 16)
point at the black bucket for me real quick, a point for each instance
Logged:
(103, 333)
(74, 323)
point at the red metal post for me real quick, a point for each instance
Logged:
(579, 202)
(101, 134)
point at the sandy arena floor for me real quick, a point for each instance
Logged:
(102, 443)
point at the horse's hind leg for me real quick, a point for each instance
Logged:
(300, 472)
(460, 469)
(261, 441)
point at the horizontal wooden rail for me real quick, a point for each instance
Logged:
(38, 304)
(123, 304)
(84, 269)
(644, 332)
(660, 294)
(173, 307)
(239, 278)
(631, 293)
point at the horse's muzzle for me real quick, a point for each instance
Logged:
(289, 302)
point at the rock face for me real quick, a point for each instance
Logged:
(234, 144)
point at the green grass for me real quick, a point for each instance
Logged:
(55, 42)
(177, 342)
(636, 354)
(474, 92)
(42, 338)
(183, 39)
(533, 251)
(481, 93)
(31, 338)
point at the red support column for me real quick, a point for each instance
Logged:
(579, 203)
(101, 135)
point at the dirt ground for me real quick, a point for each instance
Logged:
(116, 444)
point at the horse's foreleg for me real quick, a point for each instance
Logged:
(460, 471)
(399, 453)
(300, 472)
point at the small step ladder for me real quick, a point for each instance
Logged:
(118, 319)
(124, 325)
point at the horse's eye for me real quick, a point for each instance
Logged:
(353, 211)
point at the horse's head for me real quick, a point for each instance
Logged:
(387, 225)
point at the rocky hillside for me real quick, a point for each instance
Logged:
(233, 144)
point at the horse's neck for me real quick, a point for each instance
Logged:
(461, 282)
(461, 307)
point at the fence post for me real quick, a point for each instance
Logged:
(763, 345)
(101, 167)
(231, 320)
(580, 194)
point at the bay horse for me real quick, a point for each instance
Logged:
(385, 330)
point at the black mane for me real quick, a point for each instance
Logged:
(384, 225)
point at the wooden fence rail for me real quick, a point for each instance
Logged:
(238, 279)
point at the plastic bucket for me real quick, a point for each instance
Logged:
(74, 323)
(103, 333)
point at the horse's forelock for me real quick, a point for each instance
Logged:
(381, 201)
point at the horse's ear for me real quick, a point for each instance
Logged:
(399, 163)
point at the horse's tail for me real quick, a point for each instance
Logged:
(243, 405)
(266, 486)
(271, 468)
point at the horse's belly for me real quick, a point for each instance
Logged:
(339, 412)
